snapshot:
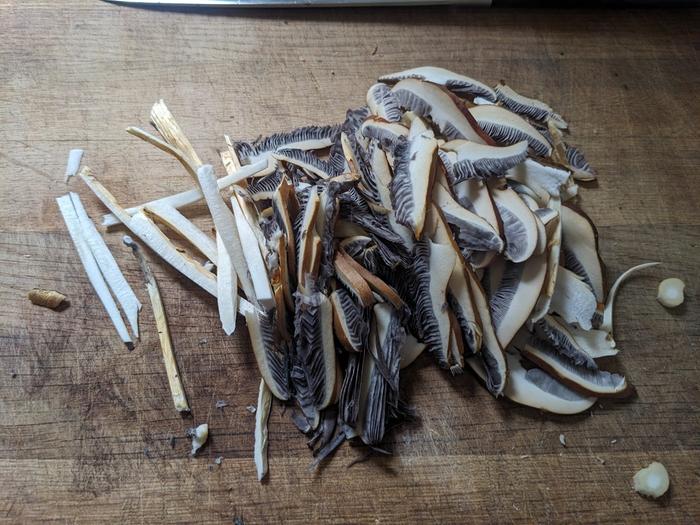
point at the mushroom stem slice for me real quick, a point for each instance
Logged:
(377, 284)
(429, 100)
(67, 209)
(353, 281)
(598, 382)
(460, 84)
(573, 299)
(536, 388)
(508, 128)
(176, 390)
(226, 288)
(171, 131)
(383, 103)
(262, 415)
(519, 225)
(414, 169)
(596, 343)
(482, 161)
(529, 107)
(607, 323)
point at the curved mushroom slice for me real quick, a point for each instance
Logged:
(519, 226)
(607, 324)
(410, 350)
(383, 103)
(351, 326)
(429, 100)
(377, 285)
(553, 236)
(390, 337)
(482, 161)
(529, 107)
(580, 167)
(306, 138)
(272, 360)
(573, 299)
(508, 128)
(264, 188)
(414, 169)
(455, 82)
(371, 417)
(475, 196)
(598, 383)
(556, 333)
(348, 275)
(314, 349)
(307, 161)
(536, 388)
(433, 265)
(472, 232)
(515, 288)
(386, 133)
(580, 249)
(596, 343)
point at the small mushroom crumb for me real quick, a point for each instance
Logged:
(218, 460)
(199, 436)
(47, 298)
(600, 460)
(374, 51)
(670, 292)
(251, 409)
(613, 441)
(562, 440)
(220, 404)
(652, 481)
(524, 456)
(202, 342)
(13, 375)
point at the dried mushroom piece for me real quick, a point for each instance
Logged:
(460, 84)
(46, 298)
(530, 107)
(508, 128)
(428, 100)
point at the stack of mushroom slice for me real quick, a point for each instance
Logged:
(437, 219)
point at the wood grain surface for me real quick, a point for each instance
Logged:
(85, 425)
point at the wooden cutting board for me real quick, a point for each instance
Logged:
(85, 425)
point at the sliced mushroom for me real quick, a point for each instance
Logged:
(371, 417)
(556, 333)
(607, 323)
(263, 188)
(306, 138)
(347, 274)
(305, 237)
(573, 299)
(377, 285)
(414, 169)
(410, 350)
(536, 388)
(598, 383)
(596, 343)
(519, 226)
(475, 196)
(390, 336)
(433, 264)
(351, 326)
(386, 133)
(580, 249)
(429, 100)
(580, 167)
(455, 82)
(383, 103)
(307, 161)
(515, 288)
(471, 231)
(541, 177)
(482, 161)
(508, 128)
(529, 107)
(553, 232)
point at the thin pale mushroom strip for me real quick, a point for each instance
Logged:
(262, 415)
(176, 389)
(94, 274)
(194, 195)
(120, 288)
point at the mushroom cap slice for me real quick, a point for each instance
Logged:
(553, 236)
(536, 388)
(351, 326)
(529, 107)
(508, 128)
(390, 335)
(483, 161)
(519, 225)
(573, 299)
(386, 133)
(596, 343)
(414, 168)
(580, 167)
(429, 100)
(433, 265)
(307, 161)
(455, 82)
(475, 196)
(598, 383)
(306, 138)
(305, 236)
(580, 249)
(514, 288)
(472, 232)
(383, 103)
(410, 350)
(556, 333)
(377, 285)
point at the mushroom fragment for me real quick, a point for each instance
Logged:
(383, 103)
(508, 128)
(262, 414)
(580, 249)
(460, 84)
(306, 138)
(482, 161)
(519, 225)
(652, 481)
(46, 298)
(573, 299)
(671, 292)
(529, 107)
(351, 326)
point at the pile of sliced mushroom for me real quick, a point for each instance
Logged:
(440, 217)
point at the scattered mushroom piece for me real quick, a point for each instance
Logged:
(652, 481)
(199, 437)
(529, 107)
(47, 298)
(262, 414)
(508, 128)
(386, 133)
(74, 158)
(460, 84)
(573, 299)
(671, 292)
(556, 333)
